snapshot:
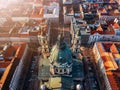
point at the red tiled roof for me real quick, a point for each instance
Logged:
(116, 55)
(112, 80)
(109, 63)
(110, 30)
(37, 12)
(113, 49)
(8, 64)
(100, 48)
(102, 10)
(20, 51)
(4, 64)
(116, 25)
(10, 51)
(99, 28)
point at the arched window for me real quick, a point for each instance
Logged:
(60, 70)
(56, 70)
(65, 70)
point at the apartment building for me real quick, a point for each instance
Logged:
(12, 60)
(80, 31)
(51, 12)
(104, 31)
(107, 60)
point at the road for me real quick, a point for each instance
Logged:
(90, 70)
(58, 28)
(31, 81)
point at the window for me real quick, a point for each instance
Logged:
(56, 70)
(65, 70)
(60, 70)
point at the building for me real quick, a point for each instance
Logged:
(107, 60)
(51, 12)
(104, 31)
(109, 10)
(60, 65)
(72, 10)
(68, 13)
(21, 13)
(10, 28)
(37, 13)
(24, 31)
(36, 31)
(12, 60)
(80, 31)
(61, 70)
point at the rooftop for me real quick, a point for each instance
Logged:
(68, 10)
(105, 27)
(8, 55)
(10, 27)
(109, 52)
(34, 26)
(21, 12)
(51, 11)
(61, 54)
(79, 24)
(54, 82)
(44, 68)
(109, 49)
(37, 12)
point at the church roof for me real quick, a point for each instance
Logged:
(61, 53)
(78, 70)
(58, 82)
(43, 71)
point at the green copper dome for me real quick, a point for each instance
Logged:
(61, 54)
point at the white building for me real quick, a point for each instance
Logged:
(68, 14)
(98, 37)
(80, 31)
(52, 12)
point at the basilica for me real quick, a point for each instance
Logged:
(61, 70)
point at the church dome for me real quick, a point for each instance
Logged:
(60, 54)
